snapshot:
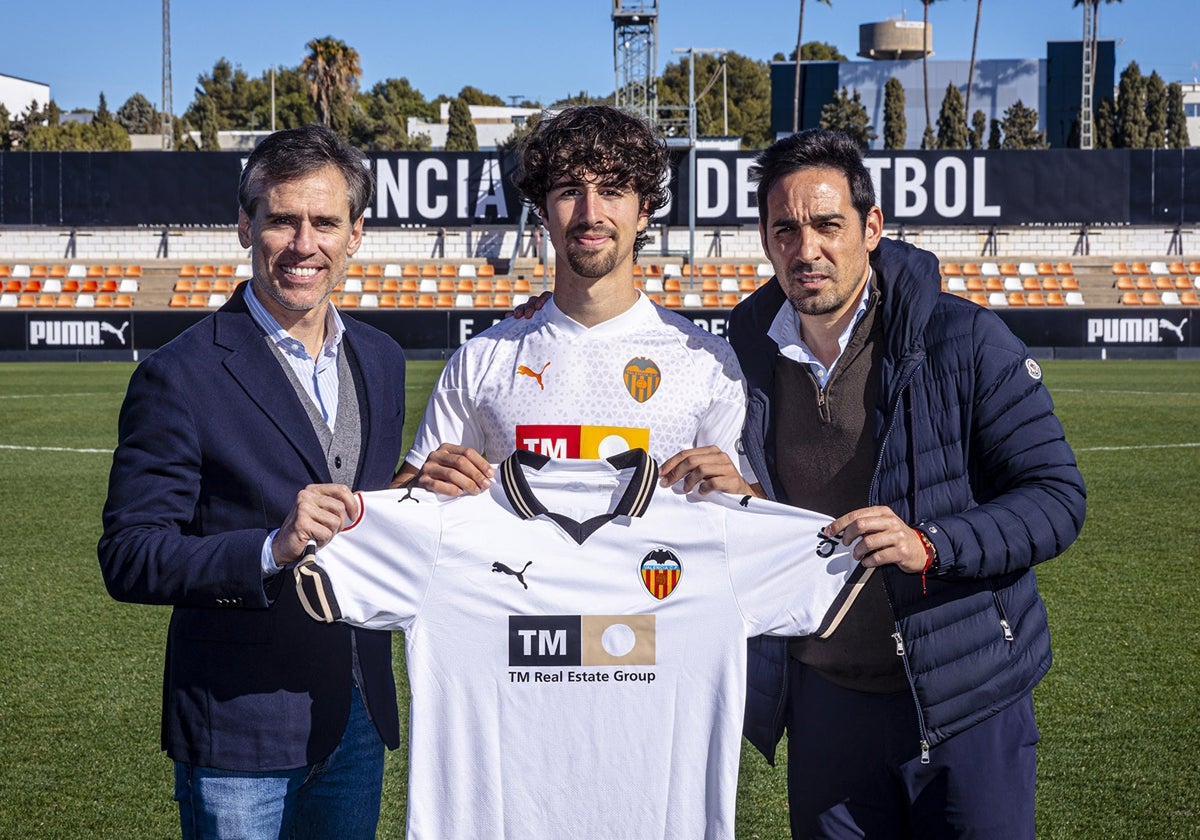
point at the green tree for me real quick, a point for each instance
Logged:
(5, 131)
(799, 57)
(847, 114)
(1105, 129)
(137, 115)
(77, 136)
(332, 69)
(928, 138)
(461, 136)
(1020, 128)
(815, 51)
(182, 132)
(994, 135)
(103, 115)
(293, 108)
(1156, 112)
(1177, 133)
(239, 101)
(1132, 124)
(474, 96)
(895, 124)
(386, 109)
(979, 125)
(748, 84)
(209, 141)
(952, 121)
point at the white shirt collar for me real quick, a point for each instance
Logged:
(283, 339)
(785, 331)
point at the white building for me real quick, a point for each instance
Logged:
(1191, 109)
(493, 125)
(17, 94)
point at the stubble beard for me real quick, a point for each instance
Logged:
(586, 262)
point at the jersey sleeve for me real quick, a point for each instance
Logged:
(789, 579)
(722, 424)
(450, 415)
(375, 572)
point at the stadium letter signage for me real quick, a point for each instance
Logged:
(447, 190)
(1152, 330)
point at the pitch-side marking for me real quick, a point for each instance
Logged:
(1141, 446)
(52, 449)
(45, 396)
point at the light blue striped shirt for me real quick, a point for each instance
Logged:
(318, 376)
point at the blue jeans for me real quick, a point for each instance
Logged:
(337, 797)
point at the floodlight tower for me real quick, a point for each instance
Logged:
(1086, 139)
(635, 56)
(166, 127)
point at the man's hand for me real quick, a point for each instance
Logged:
(320, 512)
(450, 470)
(530, 307)
(709, 468)
(886, 538)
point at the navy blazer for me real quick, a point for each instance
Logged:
(213, 446)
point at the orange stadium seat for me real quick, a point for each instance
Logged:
(483, 301)
(1120, 268)
(1016, 299)
(970, 269)
(1069, 283)
(354, 270)
(114, 271)
(1124, 283)
(1064, 268)
(1183, 283)
(104, 301)
(406, 300)
(133, 271)
(1008, 270)
(729, 300)
(1050, 284)
(123, 301)
(1193, 267)
(206, 271)
(1164, 283)
(978, 297)
(409, 285)
(178, 301)
(39, 271)
(1055, 299)
(501, 301)
(1139, 268)
(64, 301)
(951, 269)
(373, 270)
(1031, 284)
(1177, 267)
(184, 271)
(108, 285)
(1144, 283)
(387, 301)
(1151, 299)
(1189, 299)
(673, 300)
(58, 272)
(1035, 299)
(1130, 299)
(486, 270)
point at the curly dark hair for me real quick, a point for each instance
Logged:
(598, 141)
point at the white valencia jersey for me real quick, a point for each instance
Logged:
(575, 642)
(647, 378)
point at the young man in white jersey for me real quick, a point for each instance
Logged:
(600, 369)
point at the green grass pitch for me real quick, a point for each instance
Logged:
(80, 675)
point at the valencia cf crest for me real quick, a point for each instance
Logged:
(661, 571)
(642, 378)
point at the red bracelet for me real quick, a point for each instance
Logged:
(930, 554)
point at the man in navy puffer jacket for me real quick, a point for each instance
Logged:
(915, 420)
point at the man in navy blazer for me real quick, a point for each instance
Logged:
(238, 443)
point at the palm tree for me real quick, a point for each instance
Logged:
(332, 69)
(1091, 14)
(799, 47)
(971, 67)
(925, 64)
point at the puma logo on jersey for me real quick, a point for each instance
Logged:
(408, 497)
(524, 371)
(500, 567)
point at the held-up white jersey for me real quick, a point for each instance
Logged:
(648, 378)
(576, 642)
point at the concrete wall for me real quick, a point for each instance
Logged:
(220, 244)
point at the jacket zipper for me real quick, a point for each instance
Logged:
(1005, 627)
(897, 636)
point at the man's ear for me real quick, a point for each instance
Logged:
(244, 229)
(874, 228)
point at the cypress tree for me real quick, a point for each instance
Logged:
(895, 125)
(952, 120)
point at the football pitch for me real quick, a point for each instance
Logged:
(81, 675)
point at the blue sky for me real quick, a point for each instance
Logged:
(532, 49)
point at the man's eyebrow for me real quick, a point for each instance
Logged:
(816, 218)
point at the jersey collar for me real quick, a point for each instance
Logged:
(634, 501)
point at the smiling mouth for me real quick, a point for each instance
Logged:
(299, 272)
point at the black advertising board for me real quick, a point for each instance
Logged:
(468, 189)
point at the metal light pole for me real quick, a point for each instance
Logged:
(692, 52)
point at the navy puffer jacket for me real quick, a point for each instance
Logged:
(969, 450)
